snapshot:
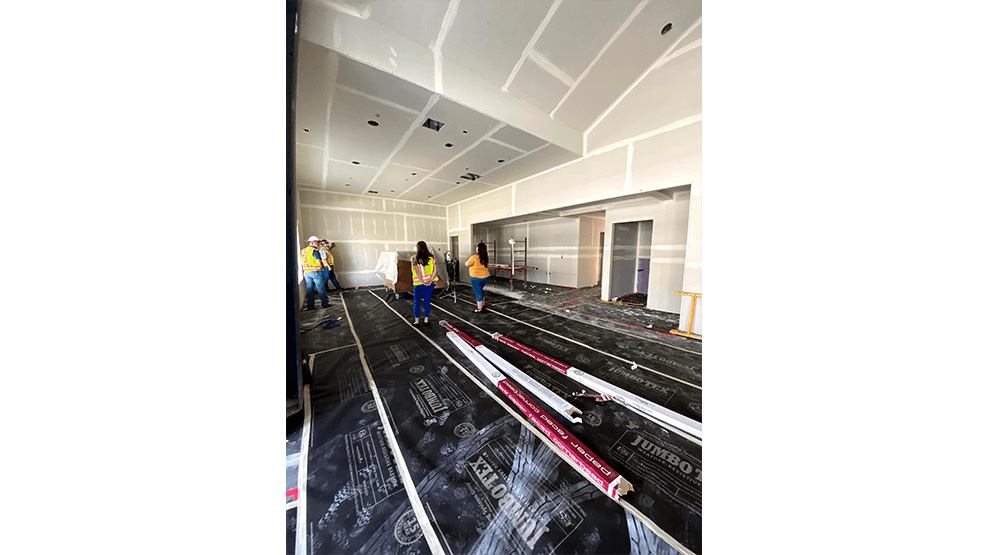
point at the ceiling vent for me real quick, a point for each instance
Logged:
(433, 124)
(470, 176)
(372, 192)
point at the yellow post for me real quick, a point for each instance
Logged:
(689, 328)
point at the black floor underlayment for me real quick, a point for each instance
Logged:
(461, 446)
(584, 305)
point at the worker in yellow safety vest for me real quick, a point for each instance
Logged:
(327, 258)
(424, 276)
(312, 269)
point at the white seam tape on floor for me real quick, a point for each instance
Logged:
(571, 340)
(524, 422)
(301, 517)
(674, 429)
(406, 478)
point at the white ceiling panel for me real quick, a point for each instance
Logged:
(317, 69)
(481, 160)
(374, 82)
(308, 165)
(489, 37)
(397, 178)
(674, 91)
(579, 30)
(427, 190)
(352, 138)
(427, 148)
(549, 157)
(462, 193)
(418, 20)
(340, 173)
(627, 58)
(538, 88)
(518, 138)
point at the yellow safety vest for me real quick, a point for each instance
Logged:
(309, 262)
(423, 270)
(327, 256)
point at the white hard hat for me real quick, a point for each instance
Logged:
(313, 238)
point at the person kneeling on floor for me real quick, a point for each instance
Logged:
(424, 276)
(479, 274)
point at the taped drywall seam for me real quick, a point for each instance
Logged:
(404, 139)
(550, 67)
(614, 37)
(302, 517)
(413, 497)
(687, 121)
(627, 171)
(505, 145)
(501, 166)
(496, 128)
(657, 63)
(676, 544)
(560, 405)
(591, 466)
(623, 396)
(343, 209)
(531, 43)
(437, 45)
(394, 105)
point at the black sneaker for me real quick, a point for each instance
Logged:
(426, 323)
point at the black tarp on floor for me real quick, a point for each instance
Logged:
(461, 445)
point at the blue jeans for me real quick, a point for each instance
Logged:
(478, 286)
(423, 292)
(330, 276)
(313, 282)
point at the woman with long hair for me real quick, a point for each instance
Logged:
(424, 276)
(479, 274)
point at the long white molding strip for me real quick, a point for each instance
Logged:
(406, 479)
(302, 518)
(562, 406)
(623, 396)
(591, 466)
(676, 544)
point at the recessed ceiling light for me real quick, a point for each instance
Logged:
(356, 162)
(306, 130)
(346, 184)
(448, 145)
(667, 28)
(464, 132)
(392, 190)
(413, 173)
(372, 123)
(500, 161)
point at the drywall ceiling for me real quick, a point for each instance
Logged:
(524, 79)
(359, 129)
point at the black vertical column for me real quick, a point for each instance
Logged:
(294, 359)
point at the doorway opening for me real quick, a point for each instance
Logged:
(630, 257)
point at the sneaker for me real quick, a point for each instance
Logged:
(426, 323)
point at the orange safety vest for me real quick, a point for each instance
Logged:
(423, 270)
(309, 262)
(326, 256)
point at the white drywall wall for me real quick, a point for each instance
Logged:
(362, 227)
(553, 248)
(589, 252)
(629, 151)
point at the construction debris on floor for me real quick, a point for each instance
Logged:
(521, 429)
